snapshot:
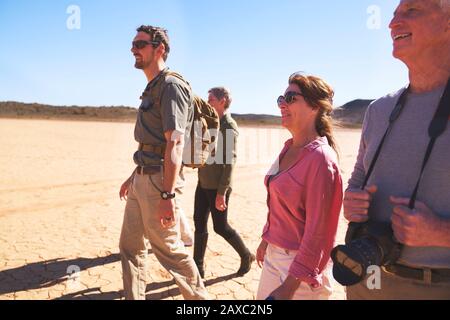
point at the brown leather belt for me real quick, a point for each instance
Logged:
(425, 274)
(159, 150)
(149, 170)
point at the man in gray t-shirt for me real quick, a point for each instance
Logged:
(153, 212)
(421, 36)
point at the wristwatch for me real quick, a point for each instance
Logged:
(166, 195)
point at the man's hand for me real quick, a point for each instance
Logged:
(261, 253)
(416, 228)
(220, 202)
(286, 290)
(123, 193)
(357, 203)
(166, 211)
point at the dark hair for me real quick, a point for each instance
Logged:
(318, 95)
(159, 35)
(220, 93)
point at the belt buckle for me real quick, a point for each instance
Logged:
(390, 270)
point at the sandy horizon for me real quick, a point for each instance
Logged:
(59, 207)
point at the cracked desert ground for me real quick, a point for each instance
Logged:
(60, 210)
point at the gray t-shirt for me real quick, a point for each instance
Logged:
(398, 166)
(176, 114)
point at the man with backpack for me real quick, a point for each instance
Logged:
(214, 187)
(152, 211)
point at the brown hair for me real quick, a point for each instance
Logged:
(220, 93)
(159, 35)
(318, 95)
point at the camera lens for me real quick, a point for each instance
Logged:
(351, 261)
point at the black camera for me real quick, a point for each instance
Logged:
(366, 244)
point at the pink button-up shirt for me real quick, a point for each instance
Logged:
(304, 204)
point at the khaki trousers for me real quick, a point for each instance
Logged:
(393, 287)
(141, 223)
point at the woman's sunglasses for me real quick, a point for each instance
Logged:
(141, 44)
(288, 98)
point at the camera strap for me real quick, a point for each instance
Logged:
(436, 128)
(394, 116)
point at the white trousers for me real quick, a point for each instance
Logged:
(277, 262)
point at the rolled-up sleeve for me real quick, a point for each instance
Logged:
(175, 104)
(323, 205)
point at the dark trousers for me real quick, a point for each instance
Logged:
(205, 202)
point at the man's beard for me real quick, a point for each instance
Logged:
(141, 64)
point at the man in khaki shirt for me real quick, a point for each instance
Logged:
(214, 187)
(152, 212)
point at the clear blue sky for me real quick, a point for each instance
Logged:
(250, 46)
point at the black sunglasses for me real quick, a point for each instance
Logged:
(289, 97)
(141, 44)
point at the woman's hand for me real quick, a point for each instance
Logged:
(261, 252)
(286, 290)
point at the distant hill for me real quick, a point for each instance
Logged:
(349, 115)
(11, 109)
(256, 119)
(352, 113)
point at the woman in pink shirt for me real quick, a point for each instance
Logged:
(304, 197)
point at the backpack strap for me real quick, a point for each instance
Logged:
(155, 91)
(168, 73)
(157, 88)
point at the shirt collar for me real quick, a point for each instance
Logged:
(226, 117)
(310, 146)
(155, 79)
